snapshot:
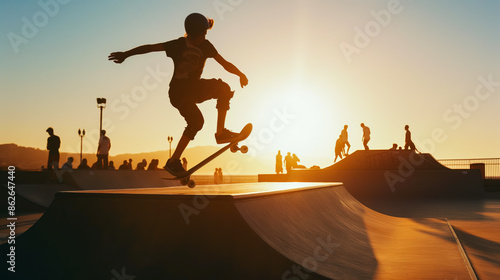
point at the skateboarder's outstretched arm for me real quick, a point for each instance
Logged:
(119, 57)
(229, 67)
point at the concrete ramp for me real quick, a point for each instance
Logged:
(41, 194)
(393, 175)
(25, 201)
(35, 190)
(240, 231)
(113, 179)
(387, 160)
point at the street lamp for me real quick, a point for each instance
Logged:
(81, 134)
(101, 104)
(170, 139)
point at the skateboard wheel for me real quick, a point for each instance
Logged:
(244, 149)
(185, 181)
(234, 149)
(191, 184)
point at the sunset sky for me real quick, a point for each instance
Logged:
(312, 66)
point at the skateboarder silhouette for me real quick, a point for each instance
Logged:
(187, 88)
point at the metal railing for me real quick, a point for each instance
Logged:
(491, 165)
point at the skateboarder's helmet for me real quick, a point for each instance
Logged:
(196, 24)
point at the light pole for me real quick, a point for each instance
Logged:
(170, 139)
(81, 134)
(101, 104)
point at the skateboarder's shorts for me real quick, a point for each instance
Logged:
(185, 94)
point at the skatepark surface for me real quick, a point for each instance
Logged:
(476, 223)
(416, 186)
(239, 231)
(397, 174)
(36, 190)
(396, 215)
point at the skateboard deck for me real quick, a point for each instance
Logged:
(233, 146)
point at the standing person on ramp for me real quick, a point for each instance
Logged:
(187, 88)
(339, 148)
(53, 145)
(408, 143)
(103, 150)
(366, 136)
(344, 138)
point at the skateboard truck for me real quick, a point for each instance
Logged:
(189, 182)
(243, 149)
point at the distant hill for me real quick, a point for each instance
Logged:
(22, 157)
(26, 158)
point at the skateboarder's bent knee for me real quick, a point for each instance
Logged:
(223, 95)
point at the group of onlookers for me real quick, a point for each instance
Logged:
(54, 142)
(291, 161)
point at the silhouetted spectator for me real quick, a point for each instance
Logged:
(124, 165)
(344, 136)
(83, 165)
(216, 176)
(288, 162)
(221, 176)
(366, 136)
(103, 150)
(153, 165)
(53, 144)
(394, 147)
(95, 165)
(339, 146)
(129, 165)
(142, 165)
(408, 142)
(68, 165)
(279, 163)
(111, 165)
(295, 162)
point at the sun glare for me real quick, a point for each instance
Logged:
(313, 122)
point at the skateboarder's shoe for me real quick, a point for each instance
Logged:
(174, 167)
(226, 136)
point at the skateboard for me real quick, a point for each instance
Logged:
(232, 146)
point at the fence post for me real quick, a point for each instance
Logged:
(479, 166)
